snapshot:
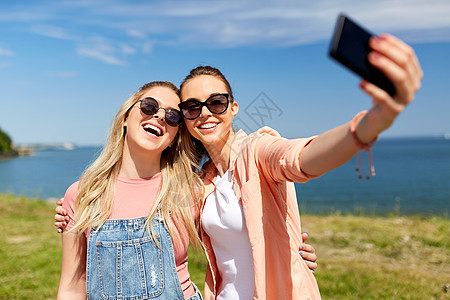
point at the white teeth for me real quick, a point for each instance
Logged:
(208, 125)
(154, 128)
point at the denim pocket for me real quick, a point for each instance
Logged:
(131, 269)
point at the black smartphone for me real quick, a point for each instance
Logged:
(350, 47)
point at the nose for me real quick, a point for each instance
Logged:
(160, 114)
(205, 112)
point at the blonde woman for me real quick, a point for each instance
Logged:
(131, 216)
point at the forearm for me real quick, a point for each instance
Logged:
(399, 63)
(336, 146)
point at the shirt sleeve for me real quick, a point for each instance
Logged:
(279, 157)
(69, 204)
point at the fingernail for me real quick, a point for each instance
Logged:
(301, 247)
(305, 232)
(301, 253)
(374, 40)
(374, 55)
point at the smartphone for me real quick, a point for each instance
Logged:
(350, 47)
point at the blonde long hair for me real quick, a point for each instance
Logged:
(180, 190)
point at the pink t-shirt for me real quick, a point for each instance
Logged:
(135, 198)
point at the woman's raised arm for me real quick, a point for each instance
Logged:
(333, 148)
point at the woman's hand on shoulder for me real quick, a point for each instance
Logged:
(61, 217)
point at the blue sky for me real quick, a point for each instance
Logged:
(66, 66)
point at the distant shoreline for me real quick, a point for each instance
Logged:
(19, 152)
(9, 155)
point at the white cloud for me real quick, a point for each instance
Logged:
(276, 23)
(128, 50)
(292, 23)
(100, 49)
(136, 33)
(224, 24)
(6, 52)
(4, 64)
(21, 15)
(51, 31)
(100, 55)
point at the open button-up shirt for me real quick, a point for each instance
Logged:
(264, 166)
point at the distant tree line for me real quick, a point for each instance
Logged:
(5, 142)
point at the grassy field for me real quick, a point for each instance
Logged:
(360, 257)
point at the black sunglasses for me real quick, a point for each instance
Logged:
(217, 104)
(150, 106)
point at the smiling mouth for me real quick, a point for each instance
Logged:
(153, 129)
(208, 125)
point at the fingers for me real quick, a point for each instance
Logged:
(399, 63)
(307, 248)
(308, 253)
(61, 211)
(382, 99)
(60, 218)
(304, 236)
(60, 225)
(59, 229)
(415, 65)
(310, 259)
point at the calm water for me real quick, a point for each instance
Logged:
(413, 177)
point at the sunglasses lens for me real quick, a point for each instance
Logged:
(191, 109)
(217, 104)
(149, 106)
(173, 117)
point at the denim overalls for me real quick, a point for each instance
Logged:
(123, 262)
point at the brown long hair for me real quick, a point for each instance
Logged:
(200, 151)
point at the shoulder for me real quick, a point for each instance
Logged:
(266, 130)
(71, 194)
(260, 137)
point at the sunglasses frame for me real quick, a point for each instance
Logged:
(205, 103)
(165, 111)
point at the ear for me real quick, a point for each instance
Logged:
(234, 108)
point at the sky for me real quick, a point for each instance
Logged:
(67, 66)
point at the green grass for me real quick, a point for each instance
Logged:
(360, 257)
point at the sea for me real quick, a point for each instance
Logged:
(412, 178)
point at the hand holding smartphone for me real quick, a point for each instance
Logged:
(350, 47)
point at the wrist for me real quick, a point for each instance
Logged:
(359, 142)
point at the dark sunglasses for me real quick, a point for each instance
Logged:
(150, 106)
(217, 104)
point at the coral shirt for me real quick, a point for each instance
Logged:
(263, 167)
(135, 198)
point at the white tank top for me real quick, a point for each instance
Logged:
(223, 221)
